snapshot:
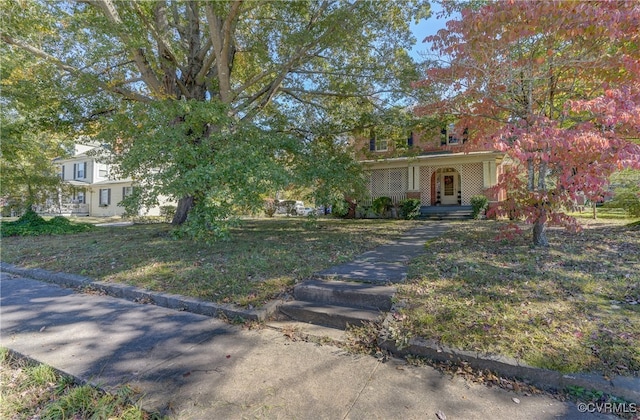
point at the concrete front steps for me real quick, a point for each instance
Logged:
(445, 213)
(335, 304)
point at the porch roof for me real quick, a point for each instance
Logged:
(435, 155)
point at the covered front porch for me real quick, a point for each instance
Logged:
(444, 182)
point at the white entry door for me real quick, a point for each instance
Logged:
(449, 188)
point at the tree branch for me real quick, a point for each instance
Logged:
(73, 70)
(138, 54)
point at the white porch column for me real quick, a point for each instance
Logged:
(489, 178)
(413, 176)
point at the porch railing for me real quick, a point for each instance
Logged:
(69, 208)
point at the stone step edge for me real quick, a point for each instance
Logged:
(328, 315)
(618, 386)
(144, 296)
(342, 293)
(314, 333)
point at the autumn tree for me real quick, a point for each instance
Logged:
(556, 86)
(216, 102)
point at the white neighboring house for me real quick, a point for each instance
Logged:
(94, 190)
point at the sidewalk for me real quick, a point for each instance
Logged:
(388, 263)
(191, 366)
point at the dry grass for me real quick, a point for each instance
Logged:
(33, 391)
(262, 260)
(574, 306)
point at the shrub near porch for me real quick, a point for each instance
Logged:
(573, 307)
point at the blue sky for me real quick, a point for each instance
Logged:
(425, 28)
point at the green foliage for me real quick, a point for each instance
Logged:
(340, 208)
(479, 204)
(221, 126)
(167, 212)
(627, 198)
(31, 224)
(382, 206)
(627, 192)
(410, 208)
(31, 390)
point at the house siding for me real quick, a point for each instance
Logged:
(415, 169)
(91, 184)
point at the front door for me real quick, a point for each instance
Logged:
(449, 192)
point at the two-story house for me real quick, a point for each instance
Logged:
(432, 166)
(93, 188)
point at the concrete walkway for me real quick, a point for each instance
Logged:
(190, 366)
(388, 263)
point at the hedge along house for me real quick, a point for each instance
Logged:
(93, 188)
(432, 166)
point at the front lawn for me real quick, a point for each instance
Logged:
(574, 306)
(262, 259)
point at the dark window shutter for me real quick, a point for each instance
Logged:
(465, 135)
(109, 196)
(75, 167)
(124, 192)
(443, 137)
(372, 144)
(410, 140)
(62, 172)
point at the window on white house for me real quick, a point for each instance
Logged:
(105, 197)
(127, 191)
(80, 170)
(61, 173)
(79, 198)
(103, 171)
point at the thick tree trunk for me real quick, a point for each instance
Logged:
(540, 233)
(182, 211)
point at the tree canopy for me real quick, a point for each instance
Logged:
(228, 98)
(556, 86)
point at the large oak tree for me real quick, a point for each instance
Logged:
(214, 103)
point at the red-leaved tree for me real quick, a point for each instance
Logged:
(556, 86)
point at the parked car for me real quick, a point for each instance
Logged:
(305, 211)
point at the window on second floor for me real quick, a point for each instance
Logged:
(103, 171)
(80, 170)
(450, 137)
(377, 145)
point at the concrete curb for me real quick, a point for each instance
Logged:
(134, 294)
(619, 386)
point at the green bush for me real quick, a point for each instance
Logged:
(410, 208)
(479, 204)
(382, 206)
(627, 198)
(31, 224)
(167, 212)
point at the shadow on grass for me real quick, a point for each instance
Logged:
(571, 307)
(260, 261)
